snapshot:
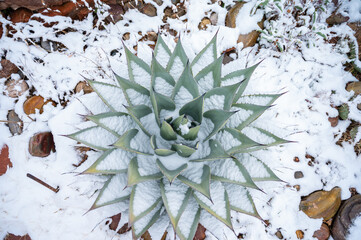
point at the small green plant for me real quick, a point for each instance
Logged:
(176, 139)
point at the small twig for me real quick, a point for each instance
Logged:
(43, 183)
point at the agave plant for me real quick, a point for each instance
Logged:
(176, 140)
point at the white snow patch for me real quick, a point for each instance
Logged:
(254, 99)
(237, 118)
(238, 197)
(97, 136)
(355, 229)
(163, 87)
(228, 169)
(162, 56)
(141, 76)
(254, 167)
(182, 97)
(227, 140)
(115, 189)
(206, 83)
(218, 204)
(137, 98)
(194, 173)
(175, 194)
(245, 21)
(256, 135)
(119, 124)
(118, 159)
(214, 102)
(147, 165)
(206, 58)
(177, 68)
(146, 194)
(186, 220)
(113, 95)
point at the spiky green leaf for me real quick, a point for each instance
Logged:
(194, 109)
(217, 152)
(219, 119)
(175, 198)
(219, 207)
(113, 191)
(171, 174)
(134, 176)
(95, 137)
(203, 185)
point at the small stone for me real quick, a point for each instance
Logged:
(4, 159)
(7, 68)
(359, 106)
(298, 174)
(214, 18)
(296, 159)
(83, 86)
(333, 121)
(33, 103)
(149, 10)
(11, 236)
(200, 233)
(354, 86)
(152, 36)
(15, 88)
(75, 10)
(14, 123)
(48, 45)
(348, 212)
(297, 187)
(116, 13)
(299, 234)
(323, 233)
(322, 204)
(21, 15)
(41, 144)
(158, 2)
(126, 36)
(249, 39)
(203, 24)
(30, 4)
(279, 234)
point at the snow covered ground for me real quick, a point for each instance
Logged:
(309, 69)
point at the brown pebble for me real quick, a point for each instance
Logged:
(333, 121)
(11, 236)
(298, 174)
(41, 144)
(149, 10)
(33, 103)
(297, 187)
(15, 88)
(279, 234)
(4, 159)
(14, 123)
(296, 159)
(21, 15)
(323, 233)
(7, 68)
(200, 233)
(322, 204)
(299, 234)
(203, 24)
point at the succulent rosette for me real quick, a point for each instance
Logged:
(177, 139)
